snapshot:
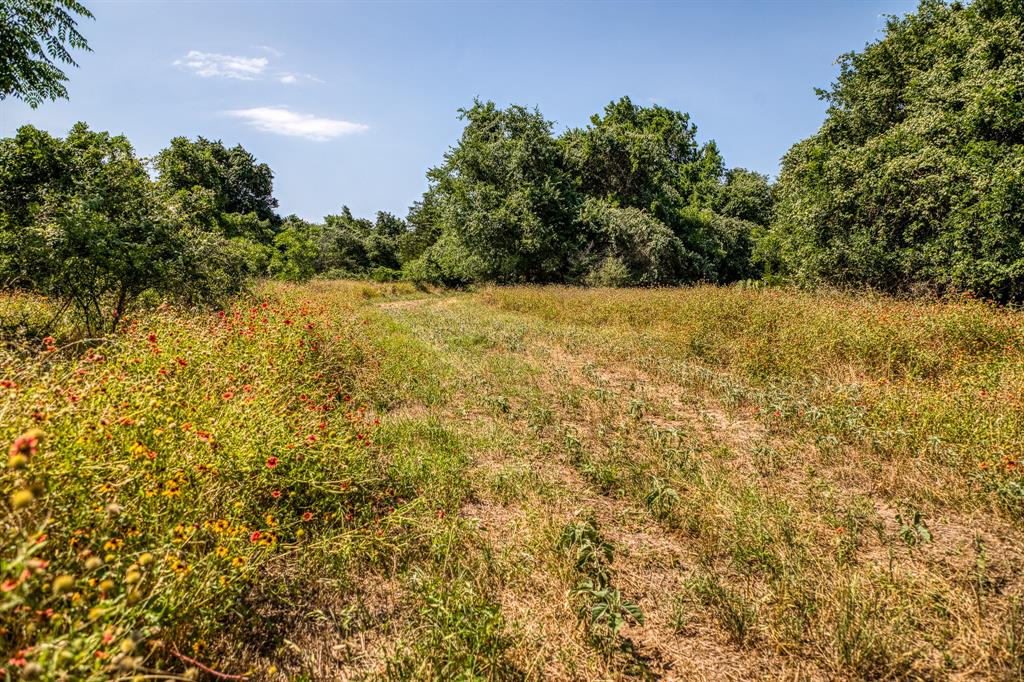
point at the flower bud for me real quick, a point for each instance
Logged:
(63, 584)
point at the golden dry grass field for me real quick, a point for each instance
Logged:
(343, 481)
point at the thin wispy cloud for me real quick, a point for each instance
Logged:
(214, 65)
(291, 78)
(217, 65)
(283, 121)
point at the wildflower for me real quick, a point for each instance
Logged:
(145, 559)
(220, 526)
(26, 445)
(22, 498)
(151, 338)
(63, 584)
(221, 551)
(171, 489)
(271, 521)
(256, 536)
(275, 494)
(238, 561)
(181, 361)
(271, 462)
(307, 516)
(227, 395)
(179, 566)
(49, 340)
(179, 534)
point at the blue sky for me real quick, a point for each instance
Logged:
(350, 103)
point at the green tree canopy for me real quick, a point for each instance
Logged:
(35, 36)
(917, 175)
(503, 197)
(236, 182)
(80, 221)
(746, 195)
(644, 157)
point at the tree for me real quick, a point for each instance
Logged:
(630, 247)
(746, 195)
(502, 203)
(916, 177)
(648, 158)
(644, 157)
(238, 184)
(81, 222)
(382, 244)
(36, 35)
(295, 257)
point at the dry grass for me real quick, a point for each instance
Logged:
(699, 483)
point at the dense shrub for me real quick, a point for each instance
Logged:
(628, 200)
(917, 175)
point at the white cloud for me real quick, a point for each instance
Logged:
(282, 121)
(211, 64)
(291, 77)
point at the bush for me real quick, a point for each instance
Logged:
(915, 178)
(610, 272)
(383, 274)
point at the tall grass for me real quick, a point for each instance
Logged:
(935, 385)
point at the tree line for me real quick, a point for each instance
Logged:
(914, 182)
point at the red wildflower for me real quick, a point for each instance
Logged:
(275, 494)
(151, 338)
(307, 516)
(256, 535)
(49, 341)
(181, 361)
(227, 395)
(271, 462)
(26, 444)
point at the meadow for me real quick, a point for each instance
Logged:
(350, 480)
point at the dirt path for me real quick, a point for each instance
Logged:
(651, 562)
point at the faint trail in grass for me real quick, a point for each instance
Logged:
(491, 361)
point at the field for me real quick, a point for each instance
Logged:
(349, 480)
